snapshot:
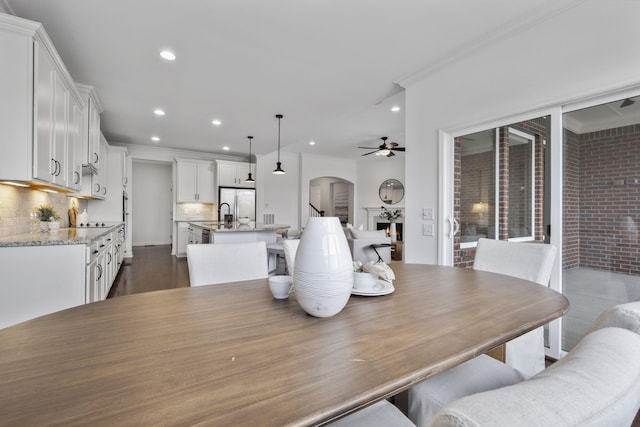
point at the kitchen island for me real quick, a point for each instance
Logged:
(238, 233)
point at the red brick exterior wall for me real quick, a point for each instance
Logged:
(571, 205)
(539, 128)
(609, 199)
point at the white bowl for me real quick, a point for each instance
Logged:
(244, 220)
(364, 281)
(280, 286)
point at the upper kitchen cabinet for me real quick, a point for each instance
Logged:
(110, 207)
(233, 174)
(38, 109)
(195, 181)
(90, 131)
(95, 185)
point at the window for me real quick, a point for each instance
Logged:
(521, 186)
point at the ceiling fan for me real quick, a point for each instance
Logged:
(384, 149)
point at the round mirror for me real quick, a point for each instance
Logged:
(391, 191)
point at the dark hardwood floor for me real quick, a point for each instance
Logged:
(153, 268)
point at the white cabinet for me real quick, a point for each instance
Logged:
(96, 185)
(74, 147)
(36, 108)
(234, 174)
(90, 128)
(38, 280)
(195, 181)
(184, 237)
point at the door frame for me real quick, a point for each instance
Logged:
(448, 228)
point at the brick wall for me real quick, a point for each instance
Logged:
(571, 205)
(540, 129)
(609, 200)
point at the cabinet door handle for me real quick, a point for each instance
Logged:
(97, 188)
(97, 157)
(77, 180)
(110, 258)
(54, 167)
(99, 272)
(104, 191)
(59, 168)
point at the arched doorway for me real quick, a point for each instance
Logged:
(331, 196)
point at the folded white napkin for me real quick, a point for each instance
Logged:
(380, 269)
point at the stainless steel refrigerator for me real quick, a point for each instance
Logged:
(241, 200)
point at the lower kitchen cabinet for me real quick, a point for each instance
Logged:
(38, 280)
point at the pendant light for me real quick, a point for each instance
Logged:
(250, 178)
(278, 170)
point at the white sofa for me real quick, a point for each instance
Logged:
(360, 242)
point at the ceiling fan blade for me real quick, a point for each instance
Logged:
(370, 148)
(627, 102)
(398, 149)
(366, 154)
(390, 154)
(390, 145)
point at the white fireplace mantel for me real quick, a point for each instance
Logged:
(373, 215)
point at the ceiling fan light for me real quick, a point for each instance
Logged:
(384, 152)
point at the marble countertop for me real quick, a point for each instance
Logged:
(219, 227)
(63, 236)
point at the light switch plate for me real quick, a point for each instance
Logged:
(427, 213)
(427, 229)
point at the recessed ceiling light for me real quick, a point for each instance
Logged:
(225, 148)
(395, 108)
(216, 122)
(158, 112)
(155, 138)
(168, 55)
(312, 143)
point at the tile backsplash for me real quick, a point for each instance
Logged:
(18, 203)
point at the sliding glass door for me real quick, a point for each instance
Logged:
(601, 210)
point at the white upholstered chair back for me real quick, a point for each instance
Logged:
(211, 264)
(528, 261)
(626, 316)
(596, 384)
(290, 247)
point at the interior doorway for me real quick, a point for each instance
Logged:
(330, 196)
(151, 203)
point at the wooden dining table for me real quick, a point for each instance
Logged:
(230, 354)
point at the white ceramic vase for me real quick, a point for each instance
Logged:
(392, 232)
(323, 272)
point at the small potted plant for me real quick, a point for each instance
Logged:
(47, 216)
(391, 216)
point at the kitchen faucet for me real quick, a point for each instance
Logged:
(220, 209)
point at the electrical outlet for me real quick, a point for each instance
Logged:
(427, 213)
(427, 229)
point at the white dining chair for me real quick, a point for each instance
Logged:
(380, 414)
(524, 356)
(290, 247)
(215, 263)
(626, 316)
(595, 384)
(528, 261)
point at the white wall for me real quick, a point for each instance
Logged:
(287, 196)
(587, 50)
(372, 171)
(151, 203)
(278, 194)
